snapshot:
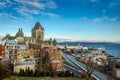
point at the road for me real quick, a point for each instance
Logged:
(74, 70)
(96, 74)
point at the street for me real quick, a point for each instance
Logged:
(72, 60)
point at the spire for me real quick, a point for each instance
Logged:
(38, 25)
(20, 33)
(19, 30)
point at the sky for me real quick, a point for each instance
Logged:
(80, 20)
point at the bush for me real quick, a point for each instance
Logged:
(27, 70)
(7, 75)
(2, 70)
(21, 73)
(69, 73)
(61, 74)
(52, 74)
(31, 73)
(37, 73)
(43, 73)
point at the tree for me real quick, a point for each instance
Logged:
(90, 68)
(61, 74)
(8, 36)
(31, 73)
(45, 62)
(68, 73)
(21, 73)
(2, 70)
(54, 42)
(109, 71)
(37, 73)
(50, 41)
(27, 70)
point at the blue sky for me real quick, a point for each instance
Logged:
(88, 20)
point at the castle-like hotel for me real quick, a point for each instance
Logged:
(32, 52)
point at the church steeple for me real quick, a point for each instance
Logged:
(20, 33)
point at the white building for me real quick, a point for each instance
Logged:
(116, 72)
(24, 64)
(11, 47)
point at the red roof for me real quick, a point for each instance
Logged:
(2, 51)
(46, 48)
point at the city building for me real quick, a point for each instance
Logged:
(32, 52)
(52, 58)
(11, 47)
(2, 51)
(38, 31)
(27, 63)
(22, 51)
(116, 72)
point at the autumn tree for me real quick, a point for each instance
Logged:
(90, 67)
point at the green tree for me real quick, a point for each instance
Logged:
(31, 73)
(50, 41)
(27, 70)
(61, 74)
(54, 42)
(37, 73)
(2, 70)
(21, 73)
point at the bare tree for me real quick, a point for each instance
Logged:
(110, 74)
(90, 68)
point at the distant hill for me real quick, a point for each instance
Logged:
(84, 43)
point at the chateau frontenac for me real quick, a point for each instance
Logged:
(32, 52)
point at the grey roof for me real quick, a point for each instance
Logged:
(25, 63)
(11, 43)
(37, 26)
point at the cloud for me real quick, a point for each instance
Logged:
(97, 19)
(105, 19)
(51, 4)
(3, 15)
(6, 15)
(50, 14)
(40, 4)
(9, 1)
(27, 8)
(12, 26)
(36, 7)
(104, 11)
(26, 11)
(114, 19)
(95, 1)
(29, 3)
(2, 4)
(114, 4)
(83, 18)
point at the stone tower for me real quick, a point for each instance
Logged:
(38, 31)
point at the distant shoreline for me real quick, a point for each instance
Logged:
(87, 42)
